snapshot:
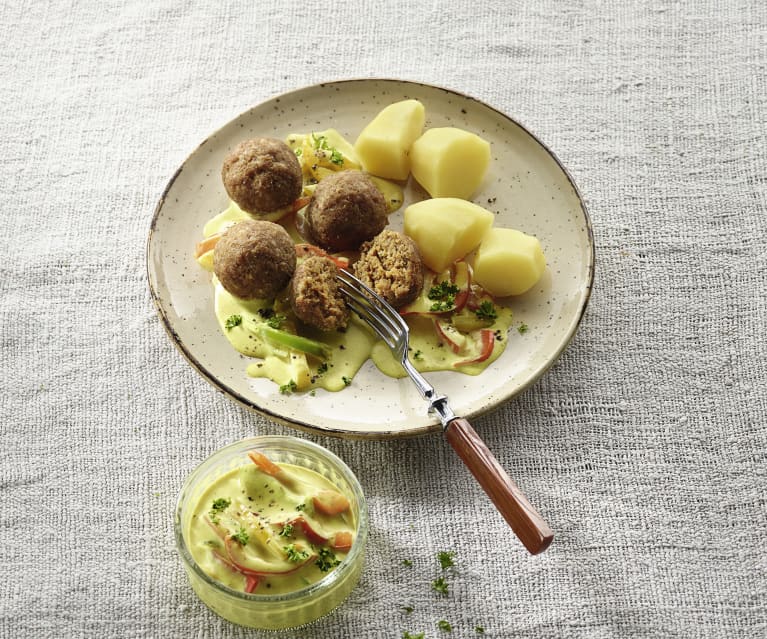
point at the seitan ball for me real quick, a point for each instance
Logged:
(315, 297)
(346, 210)
(254, 259)
(391, 265)
(262, 175)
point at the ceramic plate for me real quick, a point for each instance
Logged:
(526, 187)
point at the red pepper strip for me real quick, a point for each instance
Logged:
(304, 250)
(203, 246)
(342, 540)
(488, 343)
(300, 203)
(462, 279)
(225, 561)
(445, 338)
(311, 535)
(250, 583)
(264, 463)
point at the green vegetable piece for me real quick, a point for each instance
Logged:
(294, 554)
(222, 503)
(241, 536)
(487, 311)
(440, 586)
(232, 321)
(446, 559)
(326, 560)
(444, 626)
(278, 337)
(443, 295)
(287, 389)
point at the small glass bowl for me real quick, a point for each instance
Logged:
(285, 610)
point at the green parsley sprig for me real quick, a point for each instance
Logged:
(443, 296)
(294, 554)
(241, 536)
(326, 560)
(232, 321)
(486, 311)
(218, 506)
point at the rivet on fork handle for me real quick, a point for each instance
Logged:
(527, 524)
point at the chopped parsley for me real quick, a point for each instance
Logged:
(407, 562)
(301, 507)
(444, 626)
(322, 368)
(287, 530)
(346, 380)
(408, 609)
(486, 311)
(336, 157)
(407, 635)
(326, 560)
(523, 328)
(443, 296)
(479, 630)
(446, 559)
(294, 554)
(287, 389)
(275, 320)
(439, 585)
(219, 505)
(298, 152)
(232, 321)
(241, 536)
(418, 355)
(320, 143)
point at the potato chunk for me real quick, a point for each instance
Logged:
(446, 229)
(508, 262)
(449, 162)
(383, 147)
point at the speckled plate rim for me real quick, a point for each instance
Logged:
(315, 428)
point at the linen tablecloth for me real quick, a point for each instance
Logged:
(644, 446)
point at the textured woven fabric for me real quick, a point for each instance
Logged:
(644, 445)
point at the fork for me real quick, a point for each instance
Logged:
(527, 524)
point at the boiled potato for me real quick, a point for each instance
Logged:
(446, 229)
(383, 147)
(449, 162)
(508, 262)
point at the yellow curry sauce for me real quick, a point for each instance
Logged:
(270, 533)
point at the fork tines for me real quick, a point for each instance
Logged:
(373, 309)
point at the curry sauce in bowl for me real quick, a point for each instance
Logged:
(272, 532)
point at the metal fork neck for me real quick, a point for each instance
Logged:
(437, 403)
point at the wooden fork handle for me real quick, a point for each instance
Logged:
(527, 524)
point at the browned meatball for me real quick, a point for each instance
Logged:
(315, 297)
(262, 175)
(254, 259)
(346, 209)
(391, 265)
